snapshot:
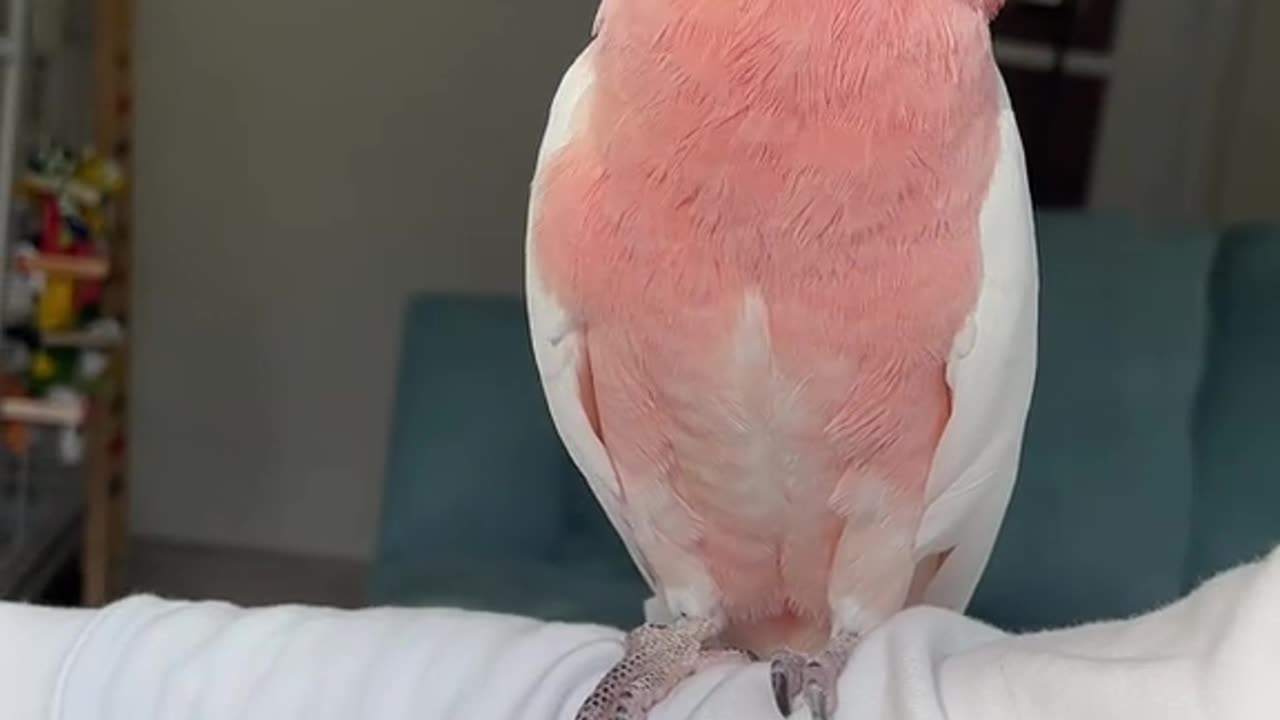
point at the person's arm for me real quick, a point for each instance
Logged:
(152, 659)
(34, 645)
(1213, 656)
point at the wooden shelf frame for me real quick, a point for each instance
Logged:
(107, 488)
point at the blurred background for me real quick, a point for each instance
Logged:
(317, 387)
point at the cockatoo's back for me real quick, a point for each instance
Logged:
(750, 262)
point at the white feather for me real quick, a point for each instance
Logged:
(991, 374)
(557, 342)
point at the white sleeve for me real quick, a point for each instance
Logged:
(34, 643)
(1213, 656)
(150, 659)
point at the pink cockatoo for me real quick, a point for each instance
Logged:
(782, 289)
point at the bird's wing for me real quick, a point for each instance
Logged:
(557, 340)
(991, 373)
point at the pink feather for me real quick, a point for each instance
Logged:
(767, 230)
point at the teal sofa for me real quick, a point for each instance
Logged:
(1152, 455)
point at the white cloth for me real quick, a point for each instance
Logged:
(1213, 656)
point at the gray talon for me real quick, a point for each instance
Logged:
(811, 679)
(815, 697)
(781, 689)
(786, 674)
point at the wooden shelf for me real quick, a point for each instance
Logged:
(82, 339)
(76, 266)
(101, 482)
(107, 477)
(59, 413)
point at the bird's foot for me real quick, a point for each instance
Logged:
(816, 677)
(657, 658)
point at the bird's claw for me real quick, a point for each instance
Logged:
(815, 679)
(785, 674)
(820, 690)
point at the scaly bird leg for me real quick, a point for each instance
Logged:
(657, 658)
(814, 677)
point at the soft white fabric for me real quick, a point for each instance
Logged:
(1213, 656)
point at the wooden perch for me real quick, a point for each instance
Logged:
(41, 412)
(77, 266)
(83, 339)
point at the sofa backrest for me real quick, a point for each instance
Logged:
(1099, 521)
(1236, 505)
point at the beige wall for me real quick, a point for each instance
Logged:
(1192, 130)
(1162, 108)
(1247, 175)
(303, 165)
